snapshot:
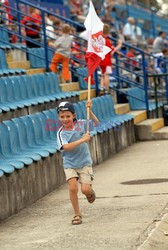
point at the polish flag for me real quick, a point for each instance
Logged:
(96, 49)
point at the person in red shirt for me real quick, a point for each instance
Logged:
(106, 64)
(32, 27)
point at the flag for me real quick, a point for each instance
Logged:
(96, 49)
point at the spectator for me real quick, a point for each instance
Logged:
(131, 31)
(32, 27)
(63, 51)
(106, 64)
(159, 43)
(159, 64)
(52, 31)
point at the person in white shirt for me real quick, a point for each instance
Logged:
(131, 31)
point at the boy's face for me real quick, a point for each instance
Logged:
(67, 118)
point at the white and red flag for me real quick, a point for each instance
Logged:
(96, 49)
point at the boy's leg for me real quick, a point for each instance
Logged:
(65, 69)
(106, 81)
(86, 178)
(73, 191)
(54, 63)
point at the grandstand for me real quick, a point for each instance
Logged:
(30, 164)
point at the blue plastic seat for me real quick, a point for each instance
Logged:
(39, 88)
(39, 134)
(6, 156)
(83, 73)
(25, 139)
(30, 130)
(16, 139)
(47, 125)
(27, 89)
(55, 124)
(139, 103)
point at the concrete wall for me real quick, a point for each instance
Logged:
(26, 186)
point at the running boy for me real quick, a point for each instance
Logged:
(63, 51)
(106, 64)
(72, 140)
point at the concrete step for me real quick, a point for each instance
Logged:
(35, 71)
(145, 130)
(18, 55)
(72, 86)
(161, 134)
(139, 115)
(84, 94)
(122, 108)
(20, 64)
(9, 57)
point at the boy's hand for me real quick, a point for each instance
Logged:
(86, 137)
(89, 104)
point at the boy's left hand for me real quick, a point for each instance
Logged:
(89, 104)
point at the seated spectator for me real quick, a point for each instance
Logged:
(159, 64)
(160, 42)
(131, 31)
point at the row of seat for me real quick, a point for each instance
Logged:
(29, 138)
(24, 91)
(5, 41)
(103, 108)
(4, 70)
(136, 98)
(37, 57)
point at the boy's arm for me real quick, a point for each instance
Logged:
(119, 45)
(72, 145)
(94, 118)
(92, 115)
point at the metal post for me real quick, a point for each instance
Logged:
(156, 97)
(127, 8)
(118, 76)
(153, 21)
(19, 19)
(45, 40)
(145, 83)
(97, 82)
(166, 81)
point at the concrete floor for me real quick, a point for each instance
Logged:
(121, 218)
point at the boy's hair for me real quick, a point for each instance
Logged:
(66, 106)
(66, 28)
(106, 29)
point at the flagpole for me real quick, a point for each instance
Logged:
(88, 108)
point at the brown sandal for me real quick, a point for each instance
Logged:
(91, 198)
(77, 219)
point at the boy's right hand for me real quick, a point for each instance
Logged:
(86, 137)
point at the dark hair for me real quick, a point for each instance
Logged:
(160, 33)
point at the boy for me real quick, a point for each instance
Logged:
(106, 64)
(63, 51)
(72, 140)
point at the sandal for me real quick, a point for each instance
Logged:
(77, 219)
(91, 198)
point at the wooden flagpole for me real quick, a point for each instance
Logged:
(88, 109)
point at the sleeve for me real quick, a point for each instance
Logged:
(61, 140)
(126, 30)
(57, 42)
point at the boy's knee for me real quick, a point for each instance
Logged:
(73, 188)
(85, 189)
